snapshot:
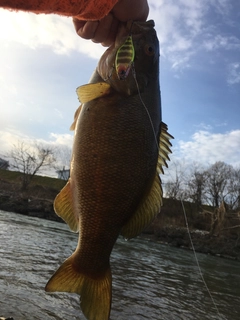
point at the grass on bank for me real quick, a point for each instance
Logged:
(15, 177)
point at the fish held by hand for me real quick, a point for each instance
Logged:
(120, 147)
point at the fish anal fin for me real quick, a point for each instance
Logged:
(63, 206)
(146, 212)
(95, 292)
(152, 202)
(92, 91)
(76, 115)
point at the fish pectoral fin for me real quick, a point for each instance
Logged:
(96, 292)
(146, 212)
(92, 91)
(152, 202)
(63, 206)
(76, 115)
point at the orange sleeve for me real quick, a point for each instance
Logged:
(81, 9)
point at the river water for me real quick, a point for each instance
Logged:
(150, 280)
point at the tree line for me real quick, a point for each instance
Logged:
(211, 185)
(201, 185)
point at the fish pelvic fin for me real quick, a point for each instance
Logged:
(92, 91)
(63, 206)
(96, 292)
(152, 202)
(76, 115)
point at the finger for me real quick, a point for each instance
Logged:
(78, 23)
(85, 29)
(112, 34)
(103, 29)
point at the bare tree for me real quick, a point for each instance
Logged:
(217, 177)
(233, 189)
(174, 187)
(196, 185)
(30, 159)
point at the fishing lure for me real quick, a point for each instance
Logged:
(124, 58)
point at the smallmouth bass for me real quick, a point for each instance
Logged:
(120, 147)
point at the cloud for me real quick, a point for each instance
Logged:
(234, 73)
(65, 139)
(222, 7)
(184, 28)
(177, 24)
(207, 148)
(11, 137)
(36, 31)
(187, 29)
(221, 42)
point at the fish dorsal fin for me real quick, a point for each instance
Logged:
(92, 91)
(164, 148)
(76, 115)
(63, 206)
(151, 204)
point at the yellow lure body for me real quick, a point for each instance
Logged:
(124, 58)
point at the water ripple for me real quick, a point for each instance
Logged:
(150, 281)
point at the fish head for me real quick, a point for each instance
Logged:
(141, 64)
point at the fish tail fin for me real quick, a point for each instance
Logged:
(95, 292)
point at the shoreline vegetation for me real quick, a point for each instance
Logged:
(213, 231)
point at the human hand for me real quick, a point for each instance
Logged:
(104, 31)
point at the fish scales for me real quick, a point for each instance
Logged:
(114, 186)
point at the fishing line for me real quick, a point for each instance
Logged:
(197, 262)
(140, 97)
(196, 258)
(184, 211)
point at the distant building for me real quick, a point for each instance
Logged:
(63, 174)
(4, 164)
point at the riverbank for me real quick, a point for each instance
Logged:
(36, 201)
(215, 232)
(201, 241)
(210, 231)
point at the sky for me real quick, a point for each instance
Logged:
(43, 61)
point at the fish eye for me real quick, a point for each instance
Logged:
(149, 49)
